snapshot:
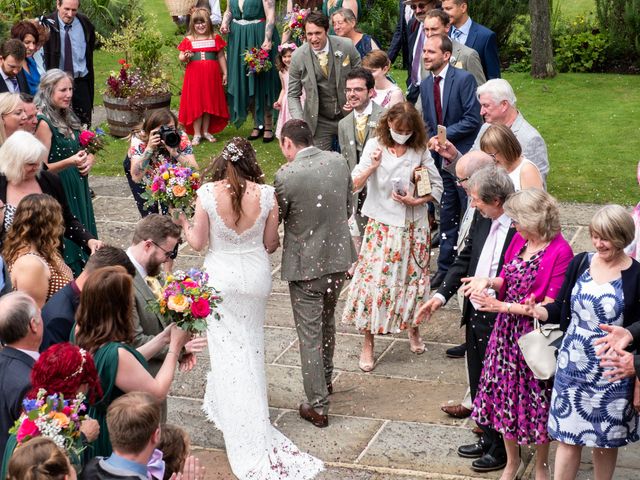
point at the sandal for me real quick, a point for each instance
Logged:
(255, 136)
(210, 138)
(196, 140)
(270, 139)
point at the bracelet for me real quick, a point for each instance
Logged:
(509, 305)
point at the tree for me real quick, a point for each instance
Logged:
(541, 47)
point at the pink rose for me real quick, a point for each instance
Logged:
(200, 308)
(85, 137)
(28, 428)
(189, 284)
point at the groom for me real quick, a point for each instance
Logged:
(314, 192)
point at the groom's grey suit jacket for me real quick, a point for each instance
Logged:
(315, 198)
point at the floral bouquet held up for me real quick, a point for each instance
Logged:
(172, 185)
(257, 61)
(187, 301)
(294, 23)
(52, 417)
(92, 141)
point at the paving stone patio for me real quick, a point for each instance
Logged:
(383, 425)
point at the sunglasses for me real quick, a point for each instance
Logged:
(169, 254)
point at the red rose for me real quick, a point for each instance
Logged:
(122, 61)
(85, 137)
(200, 308)
(28, 428)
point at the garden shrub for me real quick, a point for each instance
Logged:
(620, 19)
(582, 47)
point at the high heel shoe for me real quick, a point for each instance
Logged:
(260, 133)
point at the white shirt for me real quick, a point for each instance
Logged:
(505, 224)
(325, 49)
(379, 205)
(141, 270)
(12, 88)
(464, 30)
(367, 110)
(443, 75)
(31, 353)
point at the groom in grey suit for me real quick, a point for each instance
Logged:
(314, 193)
(319, 68)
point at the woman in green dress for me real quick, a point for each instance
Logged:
(59, 129)
(329, 7)
(251, 23)
(105, 329)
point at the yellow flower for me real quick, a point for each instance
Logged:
(165, 175)
(177, 303)
(169, 278)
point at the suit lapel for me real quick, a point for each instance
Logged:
(375, 115)
(308, 63)
(432, 104)
(448, 84)
(473, 34)
(335, 64)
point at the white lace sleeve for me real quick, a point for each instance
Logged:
(267, 200)
(207, 199)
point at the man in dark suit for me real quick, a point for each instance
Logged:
(59, 312)
(489, 237)
(12, 55)
(416, 38)
(400, 40)
(21, 333)
(448, 98)
(473, 35)
(70, 48)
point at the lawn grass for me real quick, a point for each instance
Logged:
(589, 122)
(570, 9)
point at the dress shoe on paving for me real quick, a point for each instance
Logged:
(437, 279)
(473, 450)
(308, 413)
(456, 411)
(456, 352)
(489, 463)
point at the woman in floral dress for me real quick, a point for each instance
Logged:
(510, 399)
(392, 275)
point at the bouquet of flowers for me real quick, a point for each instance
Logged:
(53, 417)
(134, 83)
(257, 61)
(172, 185)
(92, 141)
(187, 300)
(294, 22)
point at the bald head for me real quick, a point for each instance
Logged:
(471, 162)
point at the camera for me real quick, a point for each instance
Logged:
(169, 136)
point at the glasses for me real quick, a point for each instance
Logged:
(493, 156)
(169, 254)
(460, 181)
(421, 6)
(355, 90)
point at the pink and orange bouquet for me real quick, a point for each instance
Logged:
(257, 61)
(294, 22)
(53, 417)
(172, 185)
(92, 141)
(187, 300)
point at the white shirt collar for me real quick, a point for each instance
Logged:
(325, 49)
(31, 353)
(504, 220)
(367, 111)
(443, 73)
(141, 270)
(466, 26)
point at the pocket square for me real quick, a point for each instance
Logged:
(346, 61)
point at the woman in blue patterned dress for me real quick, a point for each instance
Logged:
(586, 408)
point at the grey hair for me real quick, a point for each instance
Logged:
(16, 311)
(491, 183)
(498, 89)
(8, 103)
(19, 149)
(65, 120)
(346, 13)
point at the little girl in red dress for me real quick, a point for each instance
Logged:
(203, 104)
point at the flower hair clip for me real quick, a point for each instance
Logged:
(287, 46)
(232, 153)
(83, 354)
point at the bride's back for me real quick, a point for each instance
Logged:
(250, 204)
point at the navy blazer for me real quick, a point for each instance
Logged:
(400, 39)
(59, 315)
(23, 85)
(484, 41)
(15, 382)
(412, 36)
(460, 108)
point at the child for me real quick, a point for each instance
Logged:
(387, 92)
(175, 447)
(282, 62)
(203, 105)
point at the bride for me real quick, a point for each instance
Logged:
(237, 216)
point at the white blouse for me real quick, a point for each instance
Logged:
(379, 205)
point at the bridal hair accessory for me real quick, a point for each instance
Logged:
(287, 46)
(83, 354)
(232, 152)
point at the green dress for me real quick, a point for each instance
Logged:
(242, 89)
(106, 360)
(329, 11)
(76, 189)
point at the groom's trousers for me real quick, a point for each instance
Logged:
(314, 303)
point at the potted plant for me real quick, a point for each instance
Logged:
(140, 84)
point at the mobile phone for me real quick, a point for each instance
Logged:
(398, 186)
(442, 134)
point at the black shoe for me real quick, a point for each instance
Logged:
(435, 239)
(437, 279)
(266, 139)
(474, 450)
(260, 130)
(457, 351)
(489, 463)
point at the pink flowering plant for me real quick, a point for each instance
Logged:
(187, 300)
(172, 185)
(92, 141)
(134, 83)
(53, 417)
(294, 22)
(257, 61)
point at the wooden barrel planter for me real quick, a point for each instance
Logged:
(123, 114)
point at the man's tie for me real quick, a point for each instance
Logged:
(417, 59)
(456, 34)
(488, 254)
(436, 98)
(155, 286)
(14, 82)
(68, 53)
(323, 60)
(361, 128)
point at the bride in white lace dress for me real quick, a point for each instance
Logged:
(237, 216)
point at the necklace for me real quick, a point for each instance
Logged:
(532, 251)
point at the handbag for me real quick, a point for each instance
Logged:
(539, 348)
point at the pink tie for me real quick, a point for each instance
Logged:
(485, 262)
(417, 58)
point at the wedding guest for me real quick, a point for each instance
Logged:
(12, 115)
(148, 150)
(31, 111)
(32, 248)
(12, 57)
(391, 279)
(59, 130)
(43, 38)
(344, 23)
(105, 329)
(28, 34)
(509, 397)
(599, 288)
(387, 93)
(40, 459)
(501, 143)
(175, 447)
(329, 7)
(21, 174)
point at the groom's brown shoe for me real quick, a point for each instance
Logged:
(310, 415)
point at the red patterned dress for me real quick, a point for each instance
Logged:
(202, 89)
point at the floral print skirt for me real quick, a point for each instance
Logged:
(391, 280)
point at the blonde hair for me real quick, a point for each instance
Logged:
(614, 224)
(500, 139)
(535, 211)
(8, 103)
(20, 149)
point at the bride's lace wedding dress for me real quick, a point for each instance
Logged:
(236, 394)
